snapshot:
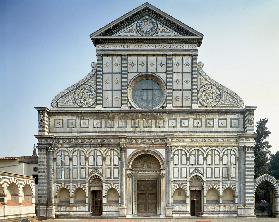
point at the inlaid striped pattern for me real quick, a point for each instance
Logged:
(194, 80)
(169, 80)
(124, 78)
(99, 81)
(249, 176)
(42, 175)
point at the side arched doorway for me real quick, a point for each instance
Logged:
(145, 185)
(95, 196)
(196, 195)
(266, 196)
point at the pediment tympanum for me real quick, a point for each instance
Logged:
(145, 23)
(81, 94)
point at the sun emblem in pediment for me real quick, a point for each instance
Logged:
(147, 26)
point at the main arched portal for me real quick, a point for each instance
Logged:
(145, 181)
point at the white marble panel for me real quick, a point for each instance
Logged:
(107, 64)
(107, 81)
(187, 64)
(177, 98)
(187, 98)
(177, 63)
(161, 64)
(116, 81)
(177, 80)
(116, 64)
(116, 99)
(142, 64)
(132, 63)
(187, 81)
(151, 63)
(107, 98)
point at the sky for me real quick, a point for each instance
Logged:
(45, 47)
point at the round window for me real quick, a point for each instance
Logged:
(147, 92)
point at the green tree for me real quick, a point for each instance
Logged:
(262, 146)
(274, 165)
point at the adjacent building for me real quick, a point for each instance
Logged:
(147, 132)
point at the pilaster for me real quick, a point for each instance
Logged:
(168, 154)
(99, 82)
(169, 81)
(123, 155)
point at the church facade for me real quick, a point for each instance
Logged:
(147, 132)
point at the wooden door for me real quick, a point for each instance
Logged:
(147, 197)
(195, 207)
(96, 202)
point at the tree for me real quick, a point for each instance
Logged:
(274, 165)
(261, 150)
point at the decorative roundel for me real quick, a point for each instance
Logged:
(85, 96)
(147, 92)
(209, 95)
(147, 26)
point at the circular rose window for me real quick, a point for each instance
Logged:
(147, 92)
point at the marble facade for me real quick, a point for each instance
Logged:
(147, 113)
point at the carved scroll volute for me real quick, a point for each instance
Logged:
(42, 120)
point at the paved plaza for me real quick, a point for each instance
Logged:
(238, 219)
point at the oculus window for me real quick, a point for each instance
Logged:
(147, 92)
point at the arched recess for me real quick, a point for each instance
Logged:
(12, 194)
(266, 196)
(179, 196)
(95, 186)
(79, 196)
(112, 196)
(212, 196)
(2, 195)
(27, 195)
(153, 153)
(228, 196)
(196, 195)
(63, 196)
(145, 181)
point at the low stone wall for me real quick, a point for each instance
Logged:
(7, 212)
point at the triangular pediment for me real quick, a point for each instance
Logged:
(146, 22)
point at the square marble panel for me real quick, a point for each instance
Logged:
(84, 123)
(107, 81)
(177, 81)
(177, 64)
(71, 123)
(142, 64)
(160, 123)
(107, 64)
(107, 98)
(186, 81)
(135, 123)
(234, 122)
(197, 123)
(177, 100)
(109, 123)
(184, 123)
(209, 123)
(161, 64)
(122, 123)
(97, 123)
(172, 123)
(187, 96)
(151, 63)
(147, 123)
(187, 64)
(116, 99)
(58, 123)
(132, 64)
(116, 62)
(116, 79)
(222, 123)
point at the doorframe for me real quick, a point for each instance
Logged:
(91, 187)
(158, 198)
